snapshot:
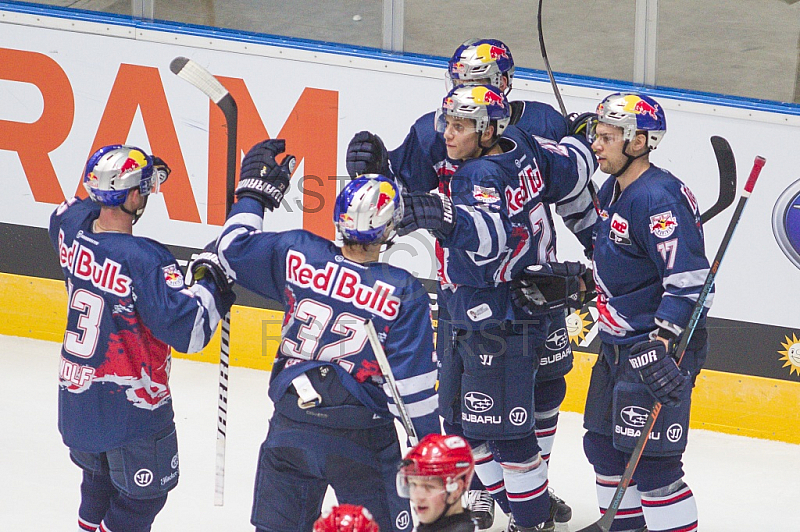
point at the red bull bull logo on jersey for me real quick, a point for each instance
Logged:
(486, 53)
(635, 104)
(663, 225)
(484, 96)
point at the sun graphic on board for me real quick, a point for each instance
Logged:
(792, 354)
(578, 326)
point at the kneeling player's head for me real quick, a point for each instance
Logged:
(367, 210)
(346, 518)
(113, 171)
(482, 62)
(472, 118)
(435, 474)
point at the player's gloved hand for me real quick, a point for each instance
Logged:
(262, 178)
(366, 154)
(659, 371)
(578, 123)
(542, 288)
(423, 210)
(207, 264)
(161, 169)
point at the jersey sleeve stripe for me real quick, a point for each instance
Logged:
(685, 281)
(418, 409)
(224, 242)
(484, 238)
(247, 219)
(412, 385)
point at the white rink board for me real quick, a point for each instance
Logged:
(756, 283)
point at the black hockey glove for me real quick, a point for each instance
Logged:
(659, 371)
(543, 288)
(161, 169)
(578, 123)
(207, 264)
(422, 210)
(366, 154)
(262, 178)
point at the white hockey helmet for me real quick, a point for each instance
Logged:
(113, 170)
(486, 104)
(368, 209)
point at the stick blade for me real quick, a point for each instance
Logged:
(594, 527)
(198, 76)
(727, 177)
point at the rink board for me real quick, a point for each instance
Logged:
(60, 104)
(724, 402)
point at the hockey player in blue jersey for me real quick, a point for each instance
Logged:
(420, 163)
(127, 304)
(333, 422)
(650, 266)
(493, 223)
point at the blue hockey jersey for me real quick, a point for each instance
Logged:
(420, 163)
(127, 304)
(503, 223)
(649, 256)
(327, 299)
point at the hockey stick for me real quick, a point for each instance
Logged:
(201, 78)
(547, 63)
(386, 369)
(727, 178)
(605, 522)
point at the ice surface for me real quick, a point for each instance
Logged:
(740, 483)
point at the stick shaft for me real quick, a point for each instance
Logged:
(386, 369)
(201, 78)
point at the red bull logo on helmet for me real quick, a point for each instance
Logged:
(635, 104)
(386, 195)
(487, 53)
(663, 225)
(484, 96)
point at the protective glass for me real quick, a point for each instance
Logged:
(423, 486)
(459, 127)
(605, 138)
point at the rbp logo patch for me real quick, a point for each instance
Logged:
(619, 233)
(663, 225)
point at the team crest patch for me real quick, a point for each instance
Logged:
(663, 225)
(620, 230)
(485, 194)
(172, 276)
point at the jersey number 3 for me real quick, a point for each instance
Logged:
(315, 318)
(90, 309)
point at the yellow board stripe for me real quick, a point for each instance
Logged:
(724, 402)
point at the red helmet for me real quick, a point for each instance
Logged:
(446, 457)
(346, 518)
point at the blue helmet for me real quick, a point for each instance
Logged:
(485, 104)
(632, 112)
(113, 170)
(481, 60)
(368, 209)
